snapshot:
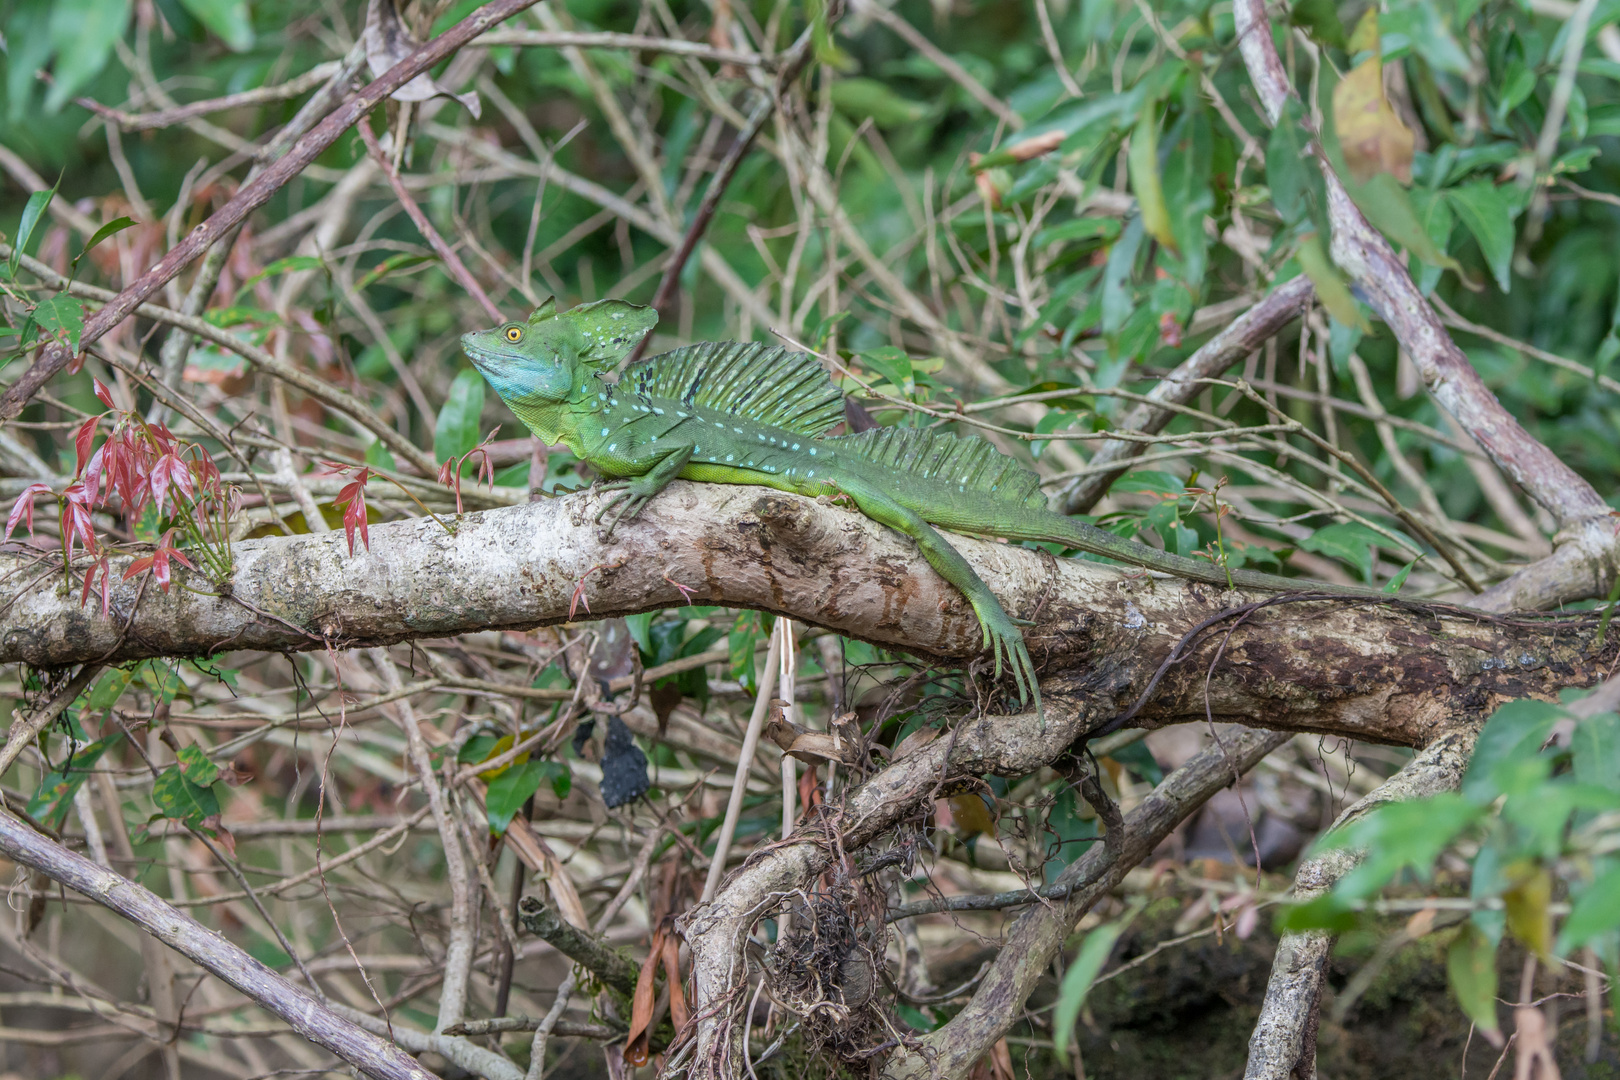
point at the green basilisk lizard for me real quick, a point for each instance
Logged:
(751, 413)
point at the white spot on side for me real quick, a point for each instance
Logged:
(604, 433)
(728, 457)
(812, 451)
(812, 472)
(795, 446)
(657, 410)
(612, 447)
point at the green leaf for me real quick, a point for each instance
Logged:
(1595, 751)
(32, 212)
(1398, 836)
(640, 627)
(112, 228)
(1390, 209)
(56, 790)
(1515, 731)
(457, 429)
(1297, 189)
(1350, 542)
(1117, 299)
(1488, 212)
(390, 265)
(860, 98)
(379, 456)
(61, 318)
(290, 264)
(1080, 229)
(894, 365)
(228, 19)
(1077, 981)
(1471, 971)
(1166, 485)
(1319, 19)
(509, 791)
(744, 635)
(1399, 579)
(181, 21)
(1330, 287)
(28, 48)
(1143, 159)
(197, 766)
(108, 689)
(179, 799)
(83, 32)
(1594, 912)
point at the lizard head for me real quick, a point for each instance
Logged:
(544, 359)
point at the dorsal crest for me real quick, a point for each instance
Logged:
(968, 464)
(760, 382)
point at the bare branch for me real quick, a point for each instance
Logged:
(1284, 1041)
(255, 194)
(301, 1010)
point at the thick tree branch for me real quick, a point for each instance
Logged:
(1284, 1041)
(254, 194)
(306, 1015)
(1391, 671)
(1373, 266)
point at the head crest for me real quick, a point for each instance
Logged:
(601, 333)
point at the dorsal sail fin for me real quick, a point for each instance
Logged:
(745, 379)
(966, 463)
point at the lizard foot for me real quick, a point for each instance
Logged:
(627, 500)
(1005, 643)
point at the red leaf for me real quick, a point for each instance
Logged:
(23, 509)
(81, 441)
(352, 499)
(104, 568)
(103, 393)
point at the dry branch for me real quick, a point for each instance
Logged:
(1284, 1041)
(306, 1015)
(255, 194)
(1027, 950)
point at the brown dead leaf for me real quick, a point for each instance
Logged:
(1372, 137)
(914, 742)
(388, 42)
(1035, 146)
(641, 1004)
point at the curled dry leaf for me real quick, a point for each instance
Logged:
(388, 42)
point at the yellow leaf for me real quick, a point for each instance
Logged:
(1144, 166)
(502, 745)
(971, 815)
(1330, 287)
(1372, 137)
(1527, 904)
(1364, 38)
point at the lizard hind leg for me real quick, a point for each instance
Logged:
(1001, 636)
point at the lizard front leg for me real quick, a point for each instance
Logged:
(633, 494)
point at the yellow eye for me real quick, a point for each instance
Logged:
(514, 334)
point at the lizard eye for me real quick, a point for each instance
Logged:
(514, 334)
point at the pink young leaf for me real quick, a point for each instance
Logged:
(23, 509)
